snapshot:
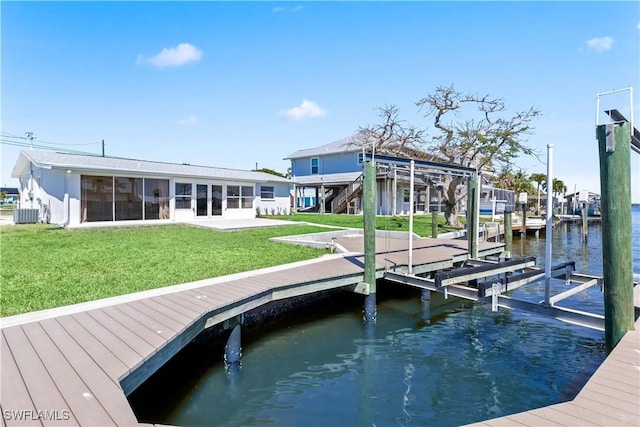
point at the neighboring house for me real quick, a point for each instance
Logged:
(323, 172)
(575, 200)
(71, 189)
(328, 178)
(12, 195)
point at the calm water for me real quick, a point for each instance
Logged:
(445, 366)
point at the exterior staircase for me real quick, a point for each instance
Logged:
(340, 202)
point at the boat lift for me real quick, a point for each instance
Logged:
(479, 280)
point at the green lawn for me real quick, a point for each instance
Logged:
(421, 223)
(45, 266)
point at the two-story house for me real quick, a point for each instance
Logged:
(328, 179)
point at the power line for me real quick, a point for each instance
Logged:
(4, 141)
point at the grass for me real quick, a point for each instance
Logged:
(45, 267)
(421, 223)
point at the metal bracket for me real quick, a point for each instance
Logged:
(610, 143)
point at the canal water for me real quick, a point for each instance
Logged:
(449, 365)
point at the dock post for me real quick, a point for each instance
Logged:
(615, 186)
(548, 229)
(434, 224)
(508, 234)
(472, 216)
(233, 349)
(585, 221)
(369, 214)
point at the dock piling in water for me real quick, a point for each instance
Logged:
(615, 184)
(369, 214)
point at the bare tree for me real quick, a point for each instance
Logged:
(487, 138)
(392, 136)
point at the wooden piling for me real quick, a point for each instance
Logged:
(508, 234)
(369, 214)
(472, 216)
(434, 224)
(585, 221)
(615, 186)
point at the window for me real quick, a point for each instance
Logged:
(247, 197)
(360, 158)
(183, 196)
(315, 166)
(156, 198)
(233, 196)
(97, 198)
(266, 192)
(128, 198)
(239, 197)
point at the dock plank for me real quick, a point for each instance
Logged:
(163, 324)
(194, 299)
(102, 387)
(137, 326)
(583, 415)
(610, 406)
(42, 389)
(212, 302)
(179, 307)
(171, 313)
(122, 350)
(14, 392)
(560, 418)
(193, 309)
(531, 418)
(87, 410)
(94, 347)
(124, 333)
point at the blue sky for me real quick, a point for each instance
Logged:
(235, 84)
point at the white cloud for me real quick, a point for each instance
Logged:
(305, 109)
(173, 56)
(278, 9)
(600, 44)
(191, 120)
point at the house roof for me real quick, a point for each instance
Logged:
(344, 145)
(95, 163)
(9, 190)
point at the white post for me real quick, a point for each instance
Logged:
(395, 191)
(411, 182)
(548, 226)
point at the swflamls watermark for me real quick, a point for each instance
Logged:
(36, 415)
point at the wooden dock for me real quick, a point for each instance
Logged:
(76, 365)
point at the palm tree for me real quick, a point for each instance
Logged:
(538, 178)
(558, 187)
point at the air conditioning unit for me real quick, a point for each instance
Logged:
(25, 216)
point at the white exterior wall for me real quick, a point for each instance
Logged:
(44, 189)
(73, 206)
(281, 203)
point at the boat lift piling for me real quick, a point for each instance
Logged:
(369, 214)
(615, 186)
(549, 228)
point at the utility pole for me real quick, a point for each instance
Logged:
(30, 137)
(103, 148)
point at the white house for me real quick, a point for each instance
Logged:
(72, 189)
